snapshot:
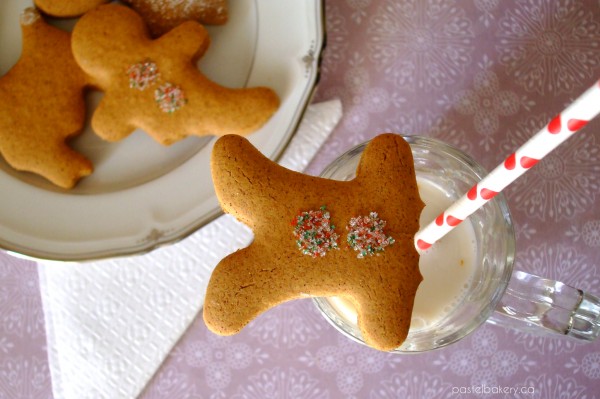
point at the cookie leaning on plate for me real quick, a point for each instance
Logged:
(42, 105)
(163, 15)
(155, 85)
(319, 237)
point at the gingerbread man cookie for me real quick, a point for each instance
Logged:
(42, 105)
(155, 85)
(163, 15)
(319, 237)
(67, 8)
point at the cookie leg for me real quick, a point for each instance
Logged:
(73, 166)
(56, 162)
(385, 329)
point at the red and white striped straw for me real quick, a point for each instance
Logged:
(560, 128)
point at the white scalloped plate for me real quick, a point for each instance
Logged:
(141, 194)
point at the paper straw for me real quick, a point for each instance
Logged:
(560, 128)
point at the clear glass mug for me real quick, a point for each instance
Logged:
(497, 295)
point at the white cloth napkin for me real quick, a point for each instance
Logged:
(110, 324)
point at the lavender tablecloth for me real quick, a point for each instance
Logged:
(482, 75)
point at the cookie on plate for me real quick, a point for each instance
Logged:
(67, 8)
(319, 237)
(163, 15)
(42, 105)
(155, 85)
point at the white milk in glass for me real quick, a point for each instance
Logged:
(447, 267)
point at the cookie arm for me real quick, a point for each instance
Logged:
(235, 295)
(240, 173)
(190, 40)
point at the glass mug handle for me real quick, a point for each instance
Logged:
(537, 305)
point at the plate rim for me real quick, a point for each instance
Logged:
(314, 61)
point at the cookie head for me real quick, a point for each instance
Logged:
(155, 85)
(319, 237)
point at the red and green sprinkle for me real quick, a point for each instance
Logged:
(142, 74)
(366, 236)
(314, 232)
(169, 97)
